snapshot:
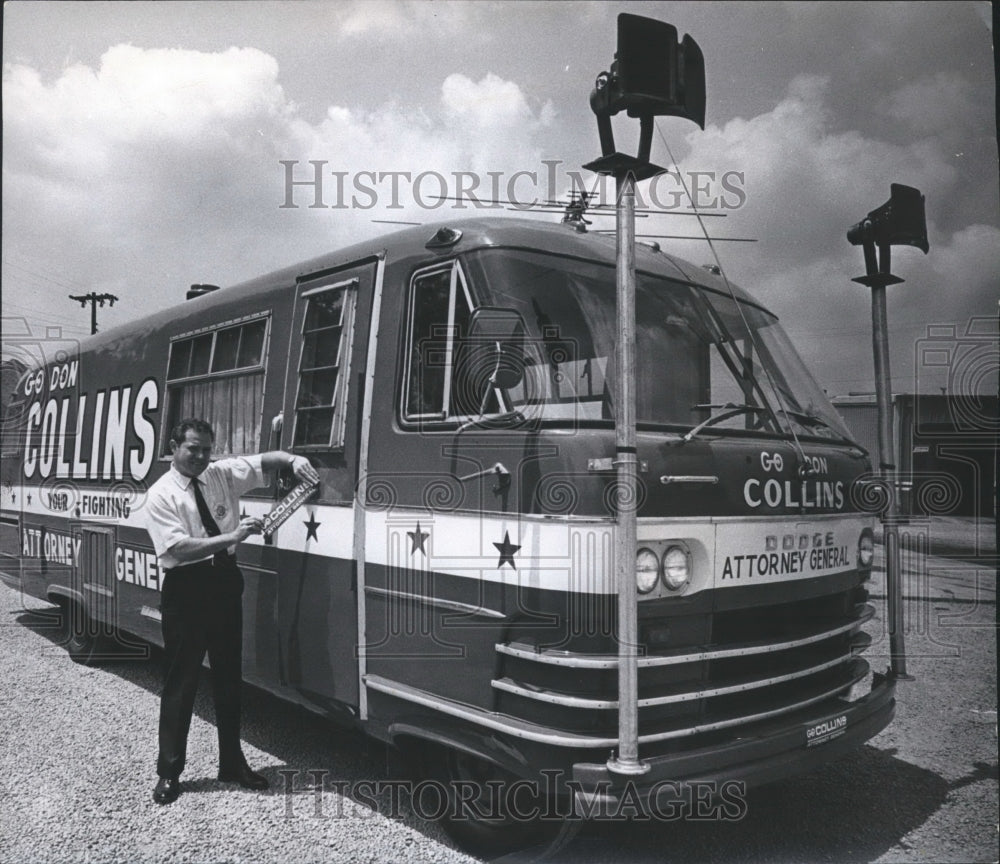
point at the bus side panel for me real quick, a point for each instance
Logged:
(317, 626)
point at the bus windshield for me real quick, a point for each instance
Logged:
(699, 354)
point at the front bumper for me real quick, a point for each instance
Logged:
(792, 744)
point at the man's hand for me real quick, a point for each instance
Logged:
(194, 548)
(248, 525)
(303, 469)
(300, 466)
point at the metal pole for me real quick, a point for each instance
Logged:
(627, 759)
(883, 398)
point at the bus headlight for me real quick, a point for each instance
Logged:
(866, 549)
(675, 568)
(647, 570)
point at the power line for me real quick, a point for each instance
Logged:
(42, 276)
(46, 317)
(902, 327)
(48, 320)
(38, 327)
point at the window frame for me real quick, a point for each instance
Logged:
(345, 353)
(214, 330)
(457, 279)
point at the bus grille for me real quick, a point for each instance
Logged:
(735, 668)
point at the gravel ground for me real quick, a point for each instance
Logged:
(77, 770)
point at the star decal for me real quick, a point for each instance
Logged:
(243, 513)
(29, 497)
(506, 550)
(311, 526)
(417, 538)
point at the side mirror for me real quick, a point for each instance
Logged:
(501, 332)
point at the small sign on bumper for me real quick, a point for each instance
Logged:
(825, 730)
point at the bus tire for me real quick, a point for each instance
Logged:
(501, 835)
(80, 635)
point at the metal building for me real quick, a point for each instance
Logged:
(946, 449)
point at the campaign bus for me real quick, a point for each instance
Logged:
(449, 588)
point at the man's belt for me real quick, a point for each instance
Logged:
(224, 560)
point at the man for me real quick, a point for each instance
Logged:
(193, 518)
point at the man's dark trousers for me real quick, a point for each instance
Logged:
(202, 611)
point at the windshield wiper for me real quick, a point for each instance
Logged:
(812, 420)
(494, 421)
(730, 409)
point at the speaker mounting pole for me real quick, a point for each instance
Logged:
(900, 221)
(652, 75)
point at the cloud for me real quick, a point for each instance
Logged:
(975, 249)
(136, 96)
(941, 103)
(161, 167)
(806, 183)
(491, 102)
(153, 168)
(384, 20)
(483, 113)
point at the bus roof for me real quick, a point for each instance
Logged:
(411, 244)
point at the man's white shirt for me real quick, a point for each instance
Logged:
(172, 512)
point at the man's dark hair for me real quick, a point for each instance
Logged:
(200, 427)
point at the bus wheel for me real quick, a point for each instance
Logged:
(492, 812)
(79, 634)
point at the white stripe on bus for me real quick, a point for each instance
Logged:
(545, 553)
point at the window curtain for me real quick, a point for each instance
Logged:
(232, 405)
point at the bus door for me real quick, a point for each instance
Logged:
(317, 585)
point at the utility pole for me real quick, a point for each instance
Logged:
(93, 298)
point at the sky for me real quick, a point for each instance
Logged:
(147, 145)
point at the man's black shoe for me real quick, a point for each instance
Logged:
(245, 776)
(167, 790)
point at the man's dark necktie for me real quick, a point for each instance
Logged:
(211, 526)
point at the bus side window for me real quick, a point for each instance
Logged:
(324, 366)
(427, 345)
(218, 376)
(443, 378)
